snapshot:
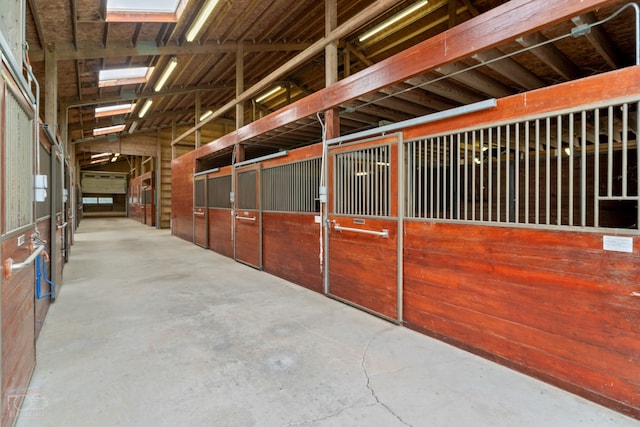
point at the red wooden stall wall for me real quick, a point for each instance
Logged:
(550, 303)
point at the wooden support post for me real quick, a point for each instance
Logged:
(331, 50)
(332, 122)
(239, 85)
(198, 133)
(240, 154)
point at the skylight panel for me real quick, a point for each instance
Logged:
(144, 10)
(124, 76)
(113, 110)
(108, 129)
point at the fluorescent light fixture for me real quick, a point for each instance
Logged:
(205, 115)
(145, 108)
(269, 94)
(362, 173)
(395, 18)
(383, 164)
(173, 63)
(108, 129)
(567, 151)
(113, 159)
(124, 76)
(202, 17)
(113, 110)
(477, 160)
(133, 127)
(97, 156)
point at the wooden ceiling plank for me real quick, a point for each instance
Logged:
(600, 40)
(551, 55)
(510, 68)
(35, 13)
(475, 79)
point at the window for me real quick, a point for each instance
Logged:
(145, 10)
(97, 200)
(113, 110)
(124, 76)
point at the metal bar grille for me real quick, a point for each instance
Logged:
(18, 165)
(199, 200)
(246, 194)
(362, 182)
(573, 169)
(293, 187)
(218, 192)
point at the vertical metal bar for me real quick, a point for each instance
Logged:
(473, 175)
(559, 170)
(490, 175)
(499, 175)
(458, 174)
(571, 177)
(466, 175)
(431, 178)
(517, 176)
(625, 148)
(583, 170)
(438, 173)
(507, 174)
(548, 172)
(526, 173)
(537, 172)
(610, 153)
(482, 175)
(451, 177)
(596, 168)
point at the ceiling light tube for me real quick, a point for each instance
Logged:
(173, 62)
(202, 17)
(133, 127)
(205, 115)
(145, 108)
(269, 94)
(395, 18)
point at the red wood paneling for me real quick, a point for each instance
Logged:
(200, 227)
(291, 248)
(363, 268)
(220, 223)
(551, 303)
(182, 196)
(18, 331)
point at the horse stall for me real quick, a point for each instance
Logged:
(511, 232)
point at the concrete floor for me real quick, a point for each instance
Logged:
(149, 330)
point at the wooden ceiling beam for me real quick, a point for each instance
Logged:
(35, 13)
(551, 55)
(475, 79)
(152, 48)
(493, 28)
(600, 40)
(510, 68)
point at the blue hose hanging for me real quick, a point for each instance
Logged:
(41, 271)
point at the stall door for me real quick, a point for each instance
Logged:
(363, 246)
(247, 219)
(200, 228)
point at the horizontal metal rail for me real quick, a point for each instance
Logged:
(198, 213)
(384, 233)
(246, 218)
(10, 267)
(63, 225)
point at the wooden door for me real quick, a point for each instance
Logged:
(248, 217)
(200, 214)
(363, 246)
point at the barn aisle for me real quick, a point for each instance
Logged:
(150, 330)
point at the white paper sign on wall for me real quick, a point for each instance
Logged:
(617, 244)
